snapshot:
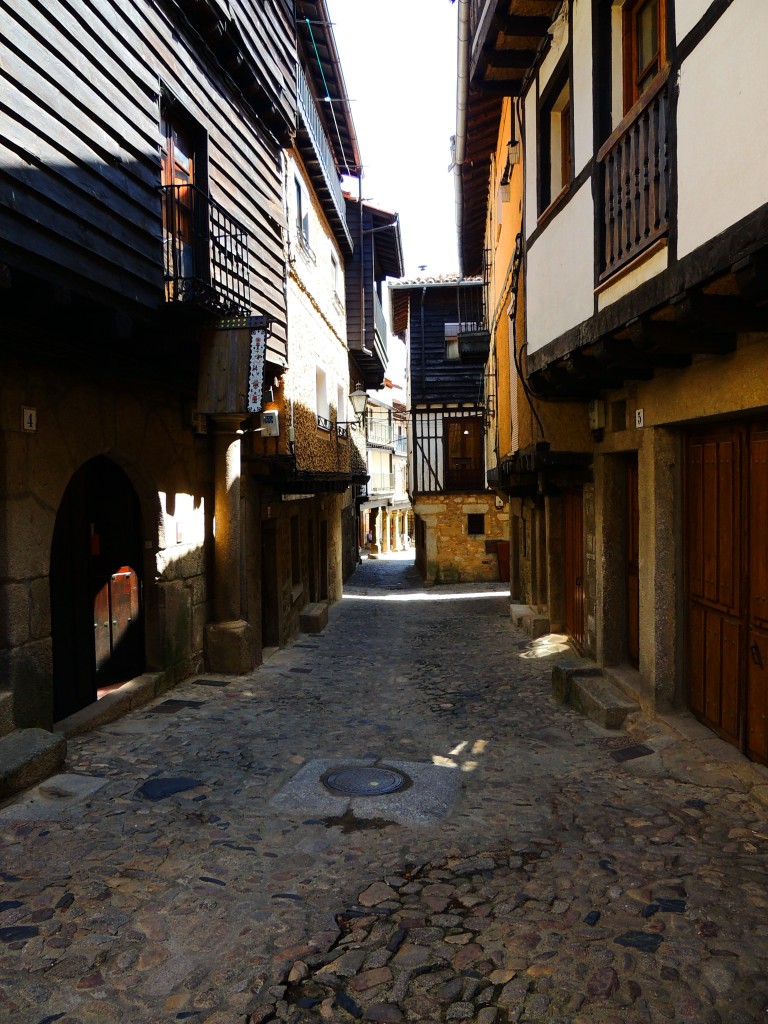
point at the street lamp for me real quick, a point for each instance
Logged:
(359, 400)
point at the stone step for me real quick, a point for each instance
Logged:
(6, 712)
(583, 686)
(131, 695)
(314, 618)
(529, 620)
(27, 756)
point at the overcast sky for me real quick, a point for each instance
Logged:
(399, 64)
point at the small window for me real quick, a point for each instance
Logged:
(451, 341)
(335, 275)
(321, 400)
(302, 214)
(342, 419)
(476, 524)
(644, 24)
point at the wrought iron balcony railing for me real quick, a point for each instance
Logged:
(381, 482)
(635, 173)
(205, 252)
(379, 432)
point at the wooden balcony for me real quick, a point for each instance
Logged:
(474, 346)
(635, 178)
(318, 154)
(205, 253)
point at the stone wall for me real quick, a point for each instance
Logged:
(141, 429)
(316, 338)
(452, 555)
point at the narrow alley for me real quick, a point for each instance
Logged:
(191, 864)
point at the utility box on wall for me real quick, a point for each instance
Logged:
(270, 423)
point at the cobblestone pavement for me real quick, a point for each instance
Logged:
(535, 870)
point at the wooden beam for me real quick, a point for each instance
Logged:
(510, 87)
(649, 334)
(726, 313)
(509, 59)
(527, 26)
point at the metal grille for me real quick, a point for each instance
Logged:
(206, 251)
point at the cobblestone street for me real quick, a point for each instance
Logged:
(190, 866)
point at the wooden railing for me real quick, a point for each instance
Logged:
(635, 176)
(314, 125)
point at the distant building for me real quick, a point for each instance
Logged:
(460, 534)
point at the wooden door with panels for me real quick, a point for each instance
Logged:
(573, 510)
(727, 505)
(632, 556)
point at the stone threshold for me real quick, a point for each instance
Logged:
(131, 695)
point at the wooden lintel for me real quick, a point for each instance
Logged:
(509, 60)
(670, 338)
(510, 87)
(518, 25)
(720, 313)
(621, 353)
(751, 275)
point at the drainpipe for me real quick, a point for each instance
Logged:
(363, 348)
(460, 139)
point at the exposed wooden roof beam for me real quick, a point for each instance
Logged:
(509, 59)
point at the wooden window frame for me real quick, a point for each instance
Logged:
(548, 194)
(631, 76)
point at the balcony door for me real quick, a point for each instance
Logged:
(464, 461)
(180, 211)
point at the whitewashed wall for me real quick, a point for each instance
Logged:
(560, 275)
(722, 144)
(688, 13)
(581, 101)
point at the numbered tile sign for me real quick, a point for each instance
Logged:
(28, 419)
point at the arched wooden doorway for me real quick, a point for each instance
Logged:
(96, 586)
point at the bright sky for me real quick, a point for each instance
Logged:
(399, 63)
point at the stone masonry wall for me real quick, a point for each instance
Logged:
(453, 555)
(140, 428)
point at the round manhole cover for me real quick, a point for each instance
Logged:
(361, 781)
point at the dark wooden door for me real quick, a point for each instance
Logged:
(95, 578)
(757, 655)
(270, 603)
(715, 557)
(633, 563)
(727, 548)
(502, 556)
(323, 574)
(311, 560)
(573, 508)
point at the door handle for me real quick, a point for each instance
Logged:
(754, 650)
